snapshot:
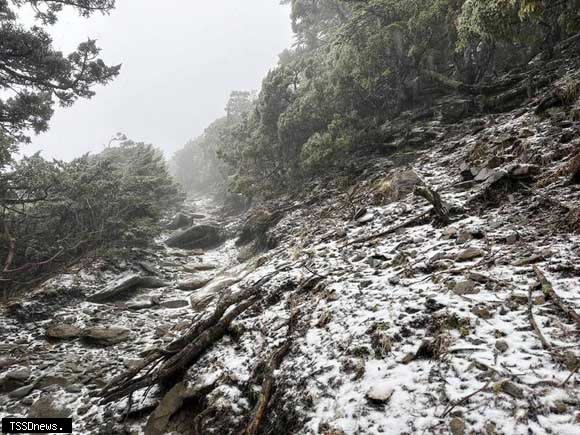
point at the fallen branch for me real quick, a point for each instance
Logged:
(268, 383)
(267, 389)
(462, 401)
(548, 290)
(407, 223)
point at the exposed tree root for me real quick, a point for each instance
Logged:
(267, 388)
(168, 366)
(414, 220)
(441, 210)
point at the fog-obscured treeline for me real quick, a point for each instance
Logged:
(355, 66)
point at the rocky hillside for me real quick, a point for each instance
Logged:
(435, 290)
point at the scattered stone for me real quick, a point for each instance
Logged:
(22, 392)
(365, 219)
(46, 408)
(394, 280)
(470, 254)
(467, 172)
(511, 389)
(478, 277)
(380, 394)
(21, 375)
(482, 312)
(559, 407)
(106, 336)
(501, 346)
(457, 426)
(465, 288)
(62, 331)
(512, 238)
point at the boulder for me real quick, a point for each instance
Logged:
(105, 336)
(180, 220)
(62, 331)
(125, 285)
(196, 237)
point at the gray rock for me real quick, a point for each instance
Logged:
(501, 346)
(478, 277)
(19, 375)
(457, 426)
(469, 254)
(465, 288)
(62, 331)
(512, 389)
(22, 392)
(106, 336)
(45, 408)
(482, 312)
(180, 220)
(200, 236)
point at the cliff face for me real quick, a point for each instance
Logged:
(436, 290)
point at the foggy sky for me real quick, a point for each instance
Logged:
(180, 59)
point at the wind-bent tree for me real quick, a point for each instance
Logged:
(34, 76)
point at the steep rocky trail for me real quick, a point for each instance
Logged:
(369, 313)
(62, 342)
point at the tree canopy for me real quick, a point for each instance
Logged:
(34, 76)
(358, 64)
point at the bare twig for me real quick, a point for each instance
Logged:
(545, 344)
(462, 401)
(391, 230)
